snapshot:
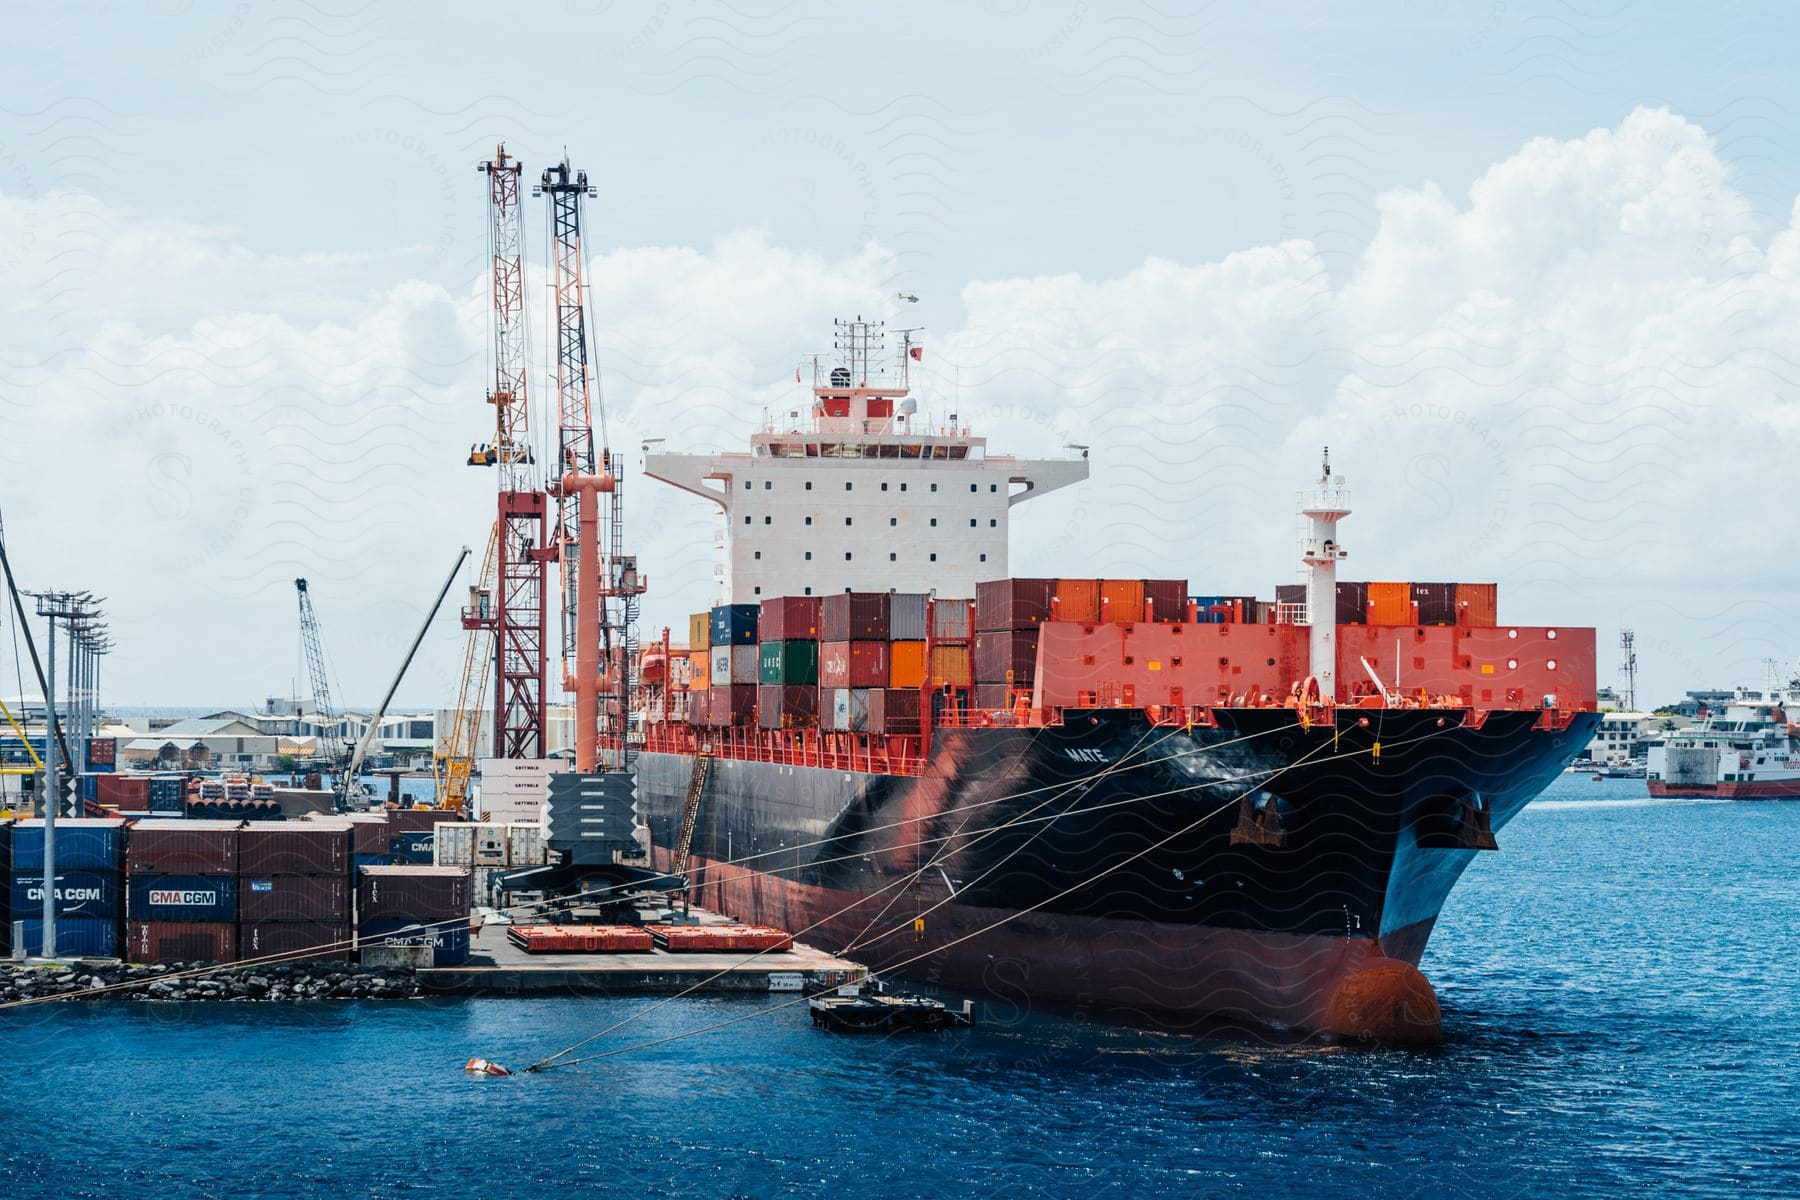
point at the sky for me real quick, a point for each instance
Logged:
(1531, 270)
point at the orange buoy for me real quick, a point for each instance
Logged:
(481, 1066)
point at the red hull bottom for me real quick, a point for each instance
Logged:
(1182, 977)
(1760, 789)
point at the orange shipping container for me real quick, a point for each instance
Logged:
(1077, 600)
(1121, 599)
(906, 664)
(1477, 605)
(1390, 604)
(952, 665)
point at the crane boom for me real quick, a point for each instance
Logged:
(315, 654)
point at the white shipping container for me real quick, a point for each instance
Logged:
(524, 845)
(469, 844)
(514, 789)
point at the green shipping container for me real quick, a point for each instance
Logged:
(790, 662)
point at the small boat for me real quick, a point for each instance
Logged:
(1597, 777)
(869, 1007)
(481, 1066)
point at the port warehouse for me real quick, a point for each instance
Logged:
(161, 890)
(868, 662)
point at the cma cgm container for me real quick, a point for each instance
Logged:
(92, 894)
(295, 848)
(301, 941)
(293, 898)
(85, 843)
(853, 664)
(789, 618)
(179, 941)
(412, 848)
(734, 625)
(182, 898)
(448, 940)
(1012, 603)
(158, 847)
(409, 893)
(855, 616)
(76, 937)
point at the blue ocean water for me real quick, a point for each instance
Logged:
(1622, 1014)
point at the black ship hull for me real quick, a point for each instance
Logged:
(1260, 873)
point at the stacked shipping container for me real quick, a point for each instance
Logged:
(408, 905)
(294, 889)
(88, 885)
(182, 891)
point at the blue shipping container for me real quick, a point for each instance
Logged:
(735, 624)
(78, 894)
(449, 942)
(77, 937)
(182, 898)
(166, 795)
(410, 848)
(81, 845)
(359, 861)
(88, 787)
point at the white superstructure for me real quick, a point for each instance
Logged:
(861, 495)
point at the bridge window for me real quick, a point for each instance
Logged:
(934, 487)
(934, 558)
(893, 520)
(846, 559)
(809, 520)
(984, 558)
(768, 520)
(884, 487)
(809, 556)
(893, 558)
(746, 485)
(846, 520)
(768, 485)
(809, 485)
(746, 519)
(846, 485)
(974, 487)
(993, 523)
(934, 522)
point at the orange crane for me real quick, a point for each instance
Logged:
(600, 583)
(506, 617)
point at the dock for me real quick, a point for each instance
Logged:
(496, 967)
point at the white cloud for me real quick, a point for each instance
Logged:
(1575, 379)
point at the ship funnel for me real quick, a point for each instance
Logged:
(1322, 507)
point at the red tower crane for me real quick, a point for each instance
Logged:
(514, 611)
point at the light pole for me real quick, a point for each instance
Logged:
(77, 611)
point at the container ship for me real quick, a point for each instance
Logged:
(1183, 810)
(1750, 751)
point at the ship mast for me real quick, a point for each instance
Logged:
(1323, 506)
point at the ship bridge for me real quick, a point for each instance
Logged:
(860, 494)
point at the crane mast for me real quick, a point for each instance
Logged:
(600, 584)
(506, 615)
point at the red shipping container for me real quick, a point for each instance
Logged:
(293, 898)
(159, 847)
(1166, 599)
(679, 939)
(1476, 605)
(295, 848)
(417, 820)
(787, 706)
(733, 705)
(180, 941)
(853, 664)
(854, 616)
(789, 618)
(412, 893)
(1012, 603)
(894, 710)
(700, 707)
(304, 941)
(581, 939)
(129, 793)
(1003, 651)
(368, 832)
